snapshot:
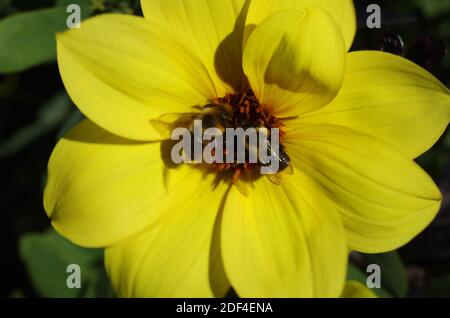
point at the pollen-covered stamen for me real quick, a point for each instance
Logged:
(244, 111)
(247, 112)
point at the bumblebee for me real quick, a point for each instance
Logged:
(223, 116)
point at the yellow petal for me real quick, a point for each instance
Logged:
(390, 98)
(176, 257)
(212, 28)
(342, 11)
(357, 290)
(295, 61)
(385, 199)
(283, 241)
(122, 71)
(102, 188)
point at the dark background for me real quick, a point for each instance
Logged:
(34, 112)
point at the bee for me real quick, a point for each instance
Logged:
(166, 123)
(285, 169)
(221, 116)
(217, 116)
(211, 115)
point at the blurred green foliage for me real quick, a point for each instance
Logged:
(35, 111)
(393, 272)
(48, 117)
(438, 288)
(47, 256)
(28, 39)
(27, 42)
(433, 8)
(394, 281)
(358, 275)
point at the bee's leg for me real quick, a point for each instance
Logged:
(244, 96)
(247, 108)
(236, 175)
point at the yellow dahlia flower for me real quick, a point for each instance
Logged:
(353, 123)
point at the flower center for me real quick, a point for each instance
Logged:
(243, 111)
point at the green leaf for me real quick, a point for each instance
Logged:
(433, 8)
(28, 39)
(393, 273)
(81, 3)
(47, 256)
(355, 274)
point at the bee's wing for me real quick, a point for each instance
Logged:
(242, 187)
(277, 177)
(165, 124)
(289, 170)
(164, 129)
